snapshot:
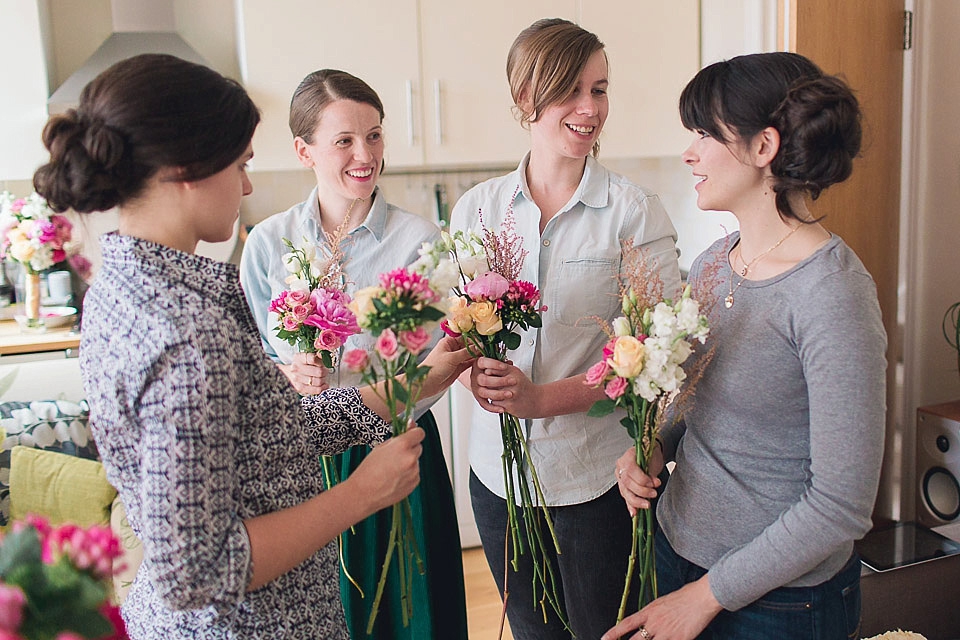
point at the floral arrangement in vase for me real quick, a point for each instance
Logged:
(641, 371)
(37, 238)
(489, 305)
(54, 582)
(400, 312)
(951, 329)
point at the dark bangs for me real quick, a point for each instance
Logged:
(702, 101)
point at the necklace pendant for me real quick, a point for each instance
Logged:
(728, 301)
(743, 272)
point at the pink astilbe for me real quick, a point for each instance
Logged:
(505, 252)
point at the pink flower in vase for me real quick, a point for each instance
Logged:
(615, 388)
(387, 345)
(327, 340)
(45, 232)
(487, 286)
(356, 360)
(415, 340)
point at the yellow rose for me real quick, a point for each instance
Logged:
(627, 359)
(486, 318)
(22, 251)
(362, 303)
(458, 314)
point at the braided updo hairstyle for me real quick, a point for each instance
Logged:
(141, 114)
(816, 115)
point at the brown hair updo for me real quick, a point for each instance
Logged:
(141, 114)
(817, 116)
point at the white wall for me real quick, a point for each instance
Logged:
(23, 89)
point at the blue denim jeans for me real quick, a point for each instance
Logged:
(594, 540)
(827, 611)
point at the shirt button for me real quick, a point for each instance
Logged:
(546, 243)
(530, 342)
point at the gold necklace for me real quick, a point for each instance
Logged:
(338, 233)
(728, 301)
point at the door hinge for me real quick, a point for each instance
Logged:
(907, 30)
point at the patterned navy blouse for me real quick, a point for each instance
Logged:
(198, 431)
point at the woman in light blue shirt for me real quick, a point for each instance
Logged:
(573, 215)
(336, 120)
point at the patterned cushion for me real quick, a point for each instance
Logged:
(49, 425)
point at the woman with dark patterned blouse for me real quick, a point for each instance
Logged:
(213, 452)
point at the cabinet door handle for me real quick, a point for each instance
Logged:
(408, 89)
(438, 110)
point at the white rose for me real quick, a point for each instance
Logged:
(291, 263)
(621, 327)
(473, 266)
(297, 284)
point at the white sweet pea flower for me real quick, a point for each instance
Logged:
(297, 284)
(291, 262)
(445, 276)
(473, 266)
(621, 327)
(664, 322)
(688, 315)
(646, 388)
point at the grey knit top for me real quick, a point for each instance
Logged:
(199, 430)
(778, 454)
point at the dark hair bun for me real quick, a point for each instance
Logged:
(820, 134)
(86, 168)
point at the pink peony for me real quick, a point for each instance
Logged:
(331, 312)
(12, 600)
(327, 340)
(597, 373)
(615, 388)
(290, 322)
(387, 345)
(487, 286)
(356, 360)
(415, 340)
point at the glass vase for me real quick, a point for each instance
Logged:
(33, 322)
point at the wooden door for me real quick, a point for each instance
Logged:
(863, 42)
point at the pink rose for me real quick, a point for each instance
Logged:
(356, 360)
(445, 325)
(615, 388)
(387, 345)
(296, 297)
(17, 204)
(596, 374)
(12, 600)
(415, 340)
(290, 322)
(301, 311)
(488, 286)
(112, 614)
(608, 349)
(327, 340)
(10, 635)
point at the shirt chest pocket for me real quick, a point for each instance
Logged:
(584, 288)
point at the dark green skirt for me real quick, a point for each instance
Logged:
(439, 607)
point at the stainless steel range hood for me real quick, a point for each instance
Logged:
(140, 26)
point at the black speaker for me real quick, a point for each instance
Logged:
(938, 464)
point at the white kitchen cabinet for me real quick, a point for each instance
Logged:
(376, 41)
(468, 107)
(654, 50)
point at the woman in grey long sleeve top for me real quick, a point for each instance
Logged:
(778, 454)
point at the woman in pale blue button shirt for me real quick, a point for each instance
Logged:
(573, 215)
(336, 120)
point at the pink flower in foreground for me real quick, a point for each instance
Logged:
(327, 340)
(80, 265)
(615, 388)
(112, 614)
(415, 340)
(608, 349)
(387, 345)
(401, 282)
(296, 297)
(68, 635)
(331, 312)
(597, 373)
(11, 635)
(487, 286)
(356, 360)
(12, 600)
(279, 304)
(290, 322)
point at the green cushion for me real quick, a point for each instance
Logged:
(59, 487)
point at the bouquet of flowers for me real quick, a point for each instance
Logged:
(314, 315)
(36, 237)
(53, 582)
(641, 372)
(399, 312)
(32, 234)
(490, 304)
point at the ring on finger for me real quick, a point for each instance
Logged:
(310, 381)
(619, 473)
(643, 632)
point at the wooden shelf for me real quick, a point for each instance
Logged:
(12, 341)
